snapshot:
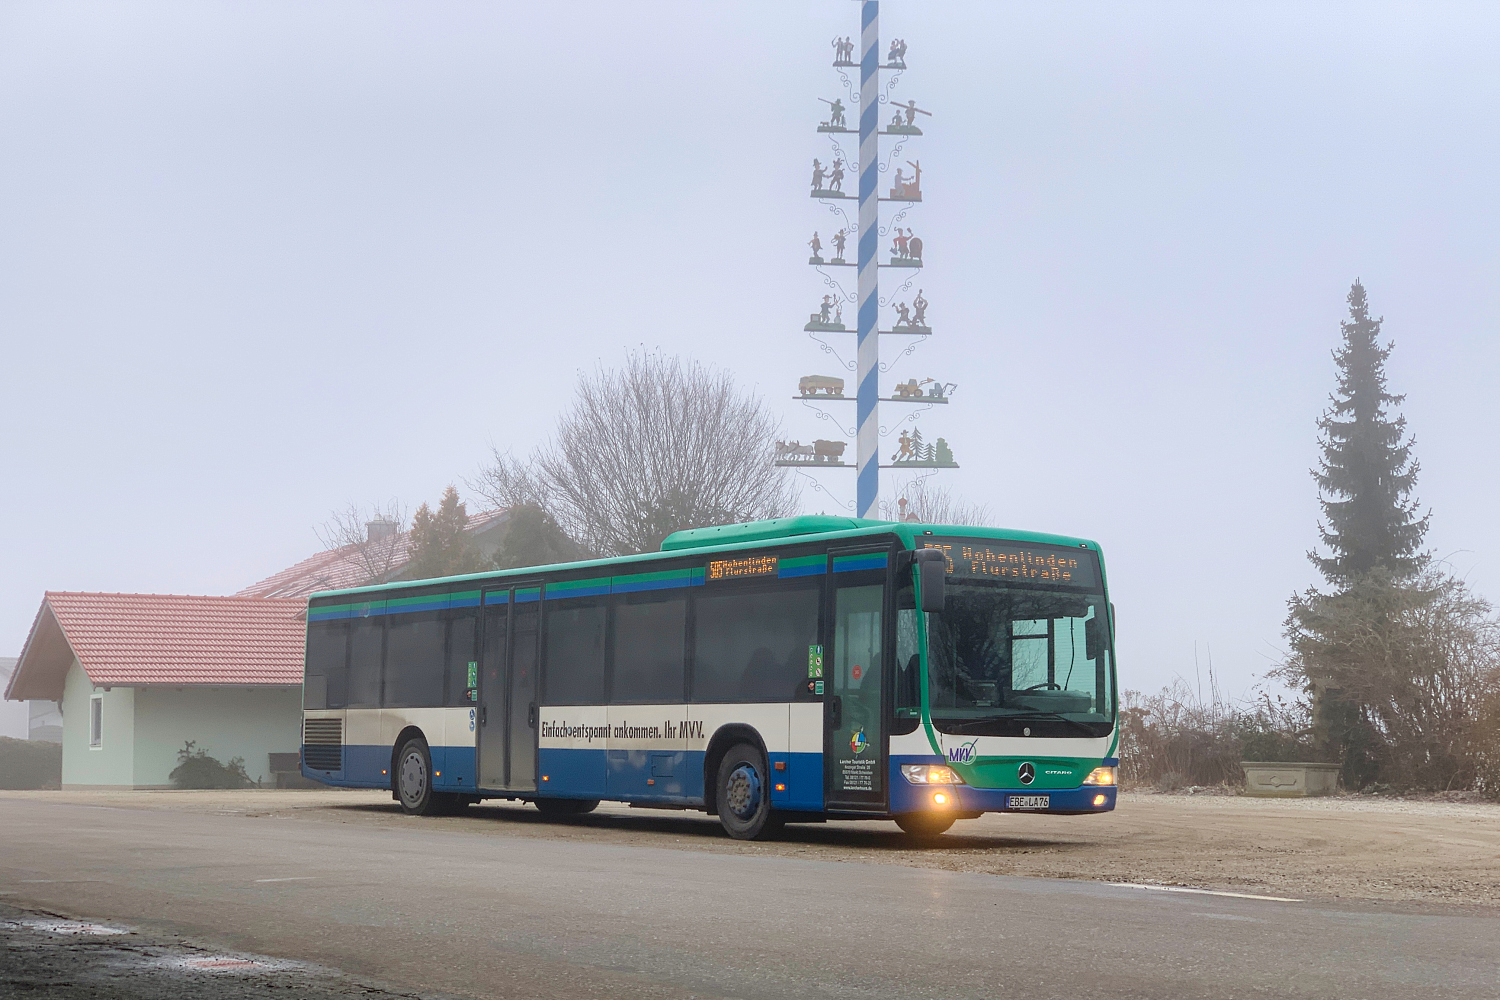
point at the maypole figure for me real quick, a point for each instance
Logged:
(817, 250)
(836, 121)
(838, 246)
(896, 58)
(907, 188)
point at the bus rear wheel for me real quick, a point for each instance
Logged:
(566, 807)
(926, 824)
(414, 780)
(743, 795)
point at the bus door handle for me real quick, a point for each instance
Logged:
(836, 712)
(531, 715)
(484, 714)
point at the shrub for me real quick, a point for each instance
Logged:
(196, 769)
(30, 763)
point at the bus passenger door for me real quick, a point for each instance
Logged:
(493, 686)
(525, 628)
(855, 746)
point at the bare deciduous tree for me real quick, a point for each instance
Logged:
(932, 504)
(373, 535)
(655, 446)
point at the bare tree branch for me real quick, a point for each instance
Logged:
(932, 504)
(374, 537)
(647, 449)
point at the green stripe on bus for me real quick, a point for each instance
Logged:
(798, 562)
(666, 574)
(566, 585)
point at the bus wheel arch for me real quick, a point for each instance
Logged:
(402, 738)
(719, 744)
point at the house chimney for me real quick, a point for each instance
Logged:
(380, 529)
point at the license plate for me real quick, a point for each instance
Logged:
(1028, 801)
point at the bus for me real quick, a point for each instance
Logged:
(791, 670)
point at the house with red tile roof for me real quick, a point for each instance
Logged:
(138, 675)
(380, 558)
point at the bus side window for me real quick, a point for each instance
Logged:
(327, 653)
(366, 647)
(753, 645)
(461, 636)
(574, 673)
(650, 643)
(414, 660)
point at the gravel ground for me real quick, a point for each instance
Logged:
(1355, 847)
(50, 957)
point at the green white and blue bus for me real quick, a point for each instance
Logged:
(793, 670)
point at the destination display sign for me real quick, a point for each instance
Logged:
(975, 558)
(734, 569)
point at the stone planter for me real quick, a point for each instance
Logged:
(1290, 780)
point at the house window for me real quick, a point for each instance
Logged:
(96, 720)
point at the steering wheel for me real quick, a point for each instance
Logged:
(1044, 686)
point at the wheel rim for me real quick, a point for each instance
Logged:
(413, 778)
(743, 792)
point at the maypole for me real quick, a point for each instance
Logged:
(906, 253)
(868, 352)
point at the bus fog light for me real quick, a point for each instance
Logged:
(930, 774)
(1100, 776)
(939, 799)
(1099, 800)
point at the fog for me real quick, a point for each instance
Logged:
(257, 261)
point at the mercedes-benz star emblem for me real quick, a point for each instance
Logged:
(1028, 773)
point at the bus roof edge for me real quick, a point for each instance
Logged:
(755, 531)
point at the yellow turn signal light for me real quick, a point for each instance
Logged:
(1100, 776)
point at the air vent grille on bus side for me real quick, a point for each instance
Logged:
(323, 741)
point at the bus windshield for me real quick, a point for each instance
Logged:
(1006, 658)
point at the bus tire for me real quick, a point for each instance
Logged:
(743, 794)
(414, 780)
(925, 824)
(566, 807)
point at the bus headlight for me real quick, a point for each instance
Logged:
(1100, 776)
(930, 774)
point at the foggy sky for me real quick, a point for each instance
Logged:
(260, 260)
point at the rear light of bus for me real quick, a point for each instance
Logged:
(1100, 776)
(930, 774)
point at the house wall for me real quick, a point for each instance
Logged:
(226, 722)
(112, 762)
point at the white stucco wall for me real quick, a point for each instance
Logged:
(226, 722)
(112, 762)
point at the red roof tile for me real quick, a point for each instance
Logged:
(135, 639)
(337, 569)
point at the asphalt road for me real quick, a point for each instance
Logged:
(423, 907)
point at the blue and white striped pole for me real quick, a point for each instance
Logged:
(868, 439)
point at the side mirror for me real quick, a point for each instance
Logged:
(932, 564)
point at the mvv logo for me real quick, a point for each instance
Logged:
(962, 754)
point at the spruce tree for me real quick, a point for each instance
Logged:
(1366, 474)
(440, 543)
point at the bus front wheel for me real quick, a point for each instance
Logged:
(927, 824)
(414, 780)
(744, 794)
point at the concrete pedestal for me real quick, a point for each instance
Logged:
(1290, 780)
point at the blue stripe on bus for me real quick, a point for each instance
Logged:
(314, 615)
(852, 564)
(497, 597)
(792, 571)
(528, 595)
(465, 602)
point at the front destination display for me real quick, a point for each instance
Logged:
(779, 671)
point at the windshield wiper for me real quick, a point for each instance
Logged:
(1052, 717)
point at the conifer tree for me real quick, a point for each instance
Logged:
(1366, 474)
(440, 544)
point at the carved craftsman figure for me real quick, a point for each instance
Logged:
(919, 310)
(838, 244)
(835, 114)
(818, 172)
(836, 177)
(817, 250)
